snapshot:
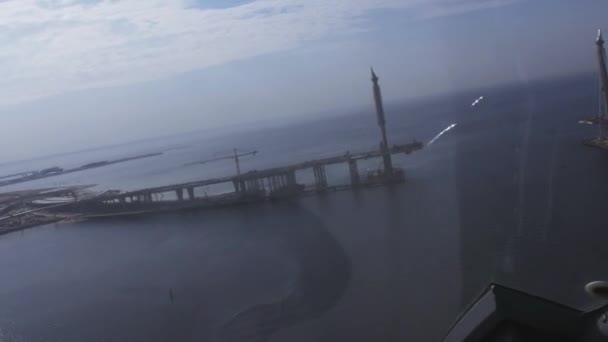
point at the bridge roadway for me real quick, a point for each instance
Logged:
(272, 180)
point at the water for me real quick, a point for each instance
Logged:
(509, 194)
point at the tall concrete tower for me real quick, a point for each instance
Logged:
(386, 156)
(603, 114)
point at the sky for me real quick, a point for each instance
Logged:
(78, 74)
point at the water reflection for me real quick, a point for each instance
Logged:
(531, 196)
(324, 271)
(490, 175)
(396, 263)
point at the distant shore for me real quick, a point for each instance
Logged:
(57, 171)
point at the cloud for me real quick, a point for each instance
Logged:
(445, 8)
(54, 46)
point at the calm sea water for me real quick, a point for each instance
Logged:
(509, 195)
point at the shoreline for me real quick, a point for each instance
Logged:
(56, 171)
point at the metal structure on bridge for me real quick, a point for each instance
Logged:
(235, 156)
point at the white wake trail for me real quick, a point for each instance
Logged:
(441, 133)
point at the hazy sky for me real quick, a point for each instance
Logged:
(83, 73)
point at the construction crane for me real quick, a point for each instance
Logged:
(235, 155)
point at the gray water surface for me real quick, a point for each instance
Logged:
(509, 195)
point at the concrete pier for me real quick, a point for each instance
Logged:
(190, 193)
(353, 169)
(320, 177)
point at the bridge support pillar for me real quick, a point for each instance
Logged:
(320, 177)
(190, 193)
(355, 179)
(291, 178)
(180, 194)
(253, 184)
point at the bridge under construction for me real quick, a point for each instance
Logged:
(26, 209)
(258, 185)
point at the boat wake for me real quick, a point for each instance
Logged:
(477, 101)
(441, 133)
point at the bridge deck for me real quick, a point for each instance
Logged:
(261, 174)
